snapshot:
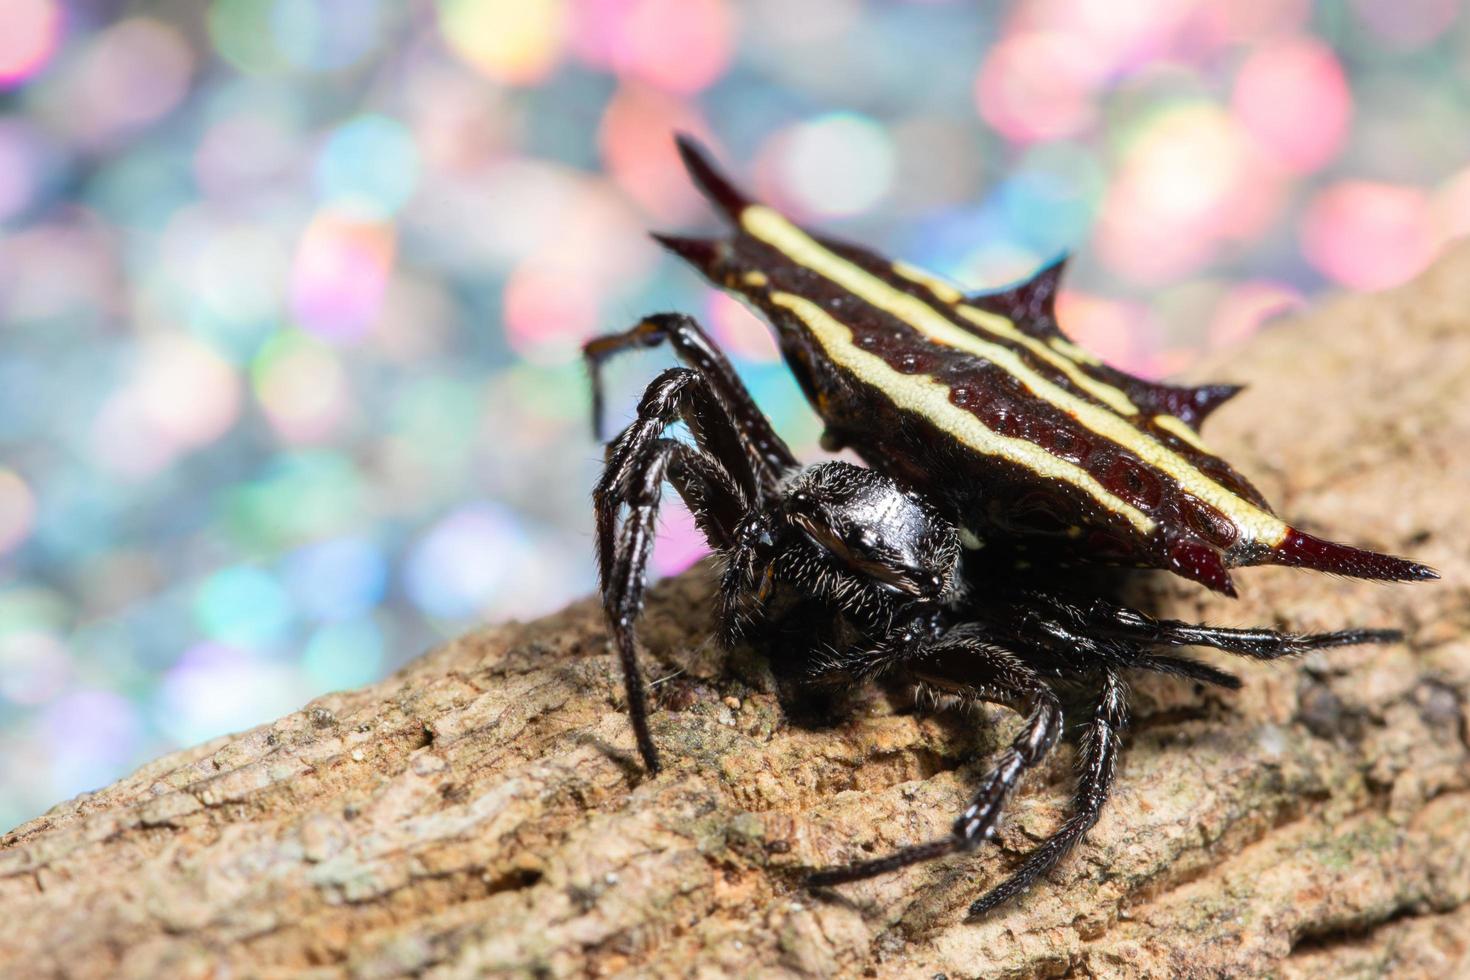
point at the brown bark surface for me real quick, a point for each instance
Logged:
(480, 812)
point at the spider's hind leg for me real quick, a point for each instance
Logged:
(1126, 638)
(1258, 643)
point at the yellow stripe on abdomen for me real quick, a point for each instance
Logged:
(1078, 354)
(772, 228)
(1176, 425)
(947, 292)
(929, 398)
(999, 326)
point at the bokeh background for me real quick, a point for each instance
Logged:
(291, 290)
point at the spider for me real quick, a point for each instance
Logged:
(943, 565)
(859, 578)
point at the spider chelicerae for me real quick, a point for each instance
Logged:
(845, 575)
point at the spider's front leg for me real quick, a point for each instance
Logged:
(714, 479)
(768, 453)
(962, 664)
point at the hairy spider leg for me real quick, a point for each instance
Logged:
(1257, 643)
(676, 395)
(700, 481)
(718, 489)
(1098, 761)
(769, 454)
(1103, 631)
(961, 663)
(1085, 652)
(1189, 669)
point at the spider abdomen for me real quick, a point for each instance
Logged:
(979, 401)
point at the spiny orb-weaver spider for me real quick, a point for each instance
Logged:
(999, 455)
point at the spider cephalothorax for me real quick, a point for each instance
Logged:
(852, 538)
(999, 434)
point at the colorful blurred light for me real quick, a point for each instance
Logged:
(116, 580)
(995, 263)
(1122, 333)
(440, 418)
(1051, 201)
(450, 572)
(182, 395)
(344, 655)
(592, 250)
(1123, 35)
(28, 608)
(95, 733)
(35, 666)
(340, 274)
(677, 45)
(243, 606)
(302, 387)
(22, 168)
(1245, 308)
(133, 74)
(369, 167)
(835, 165)
(338, 579)
(275, 142)
(56, 269)
(215, 689)
(1407, 24)
(937, 167)
(738, 330)
(235, 274)
(242, 32)
(811, 22)
(1293, 98)
(1452, 206)
(518, 42)
(17, 510)
(1039, 86)
(30, 33)
(1368, 235)
(303, 495)
(1236, 22)
(635, 139)
(680, 542)
(1189, 181)
(187, 392)
(326, 35)
(460, 124)
(547, 315)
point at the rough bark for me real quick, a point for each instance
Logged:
(480, 811)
